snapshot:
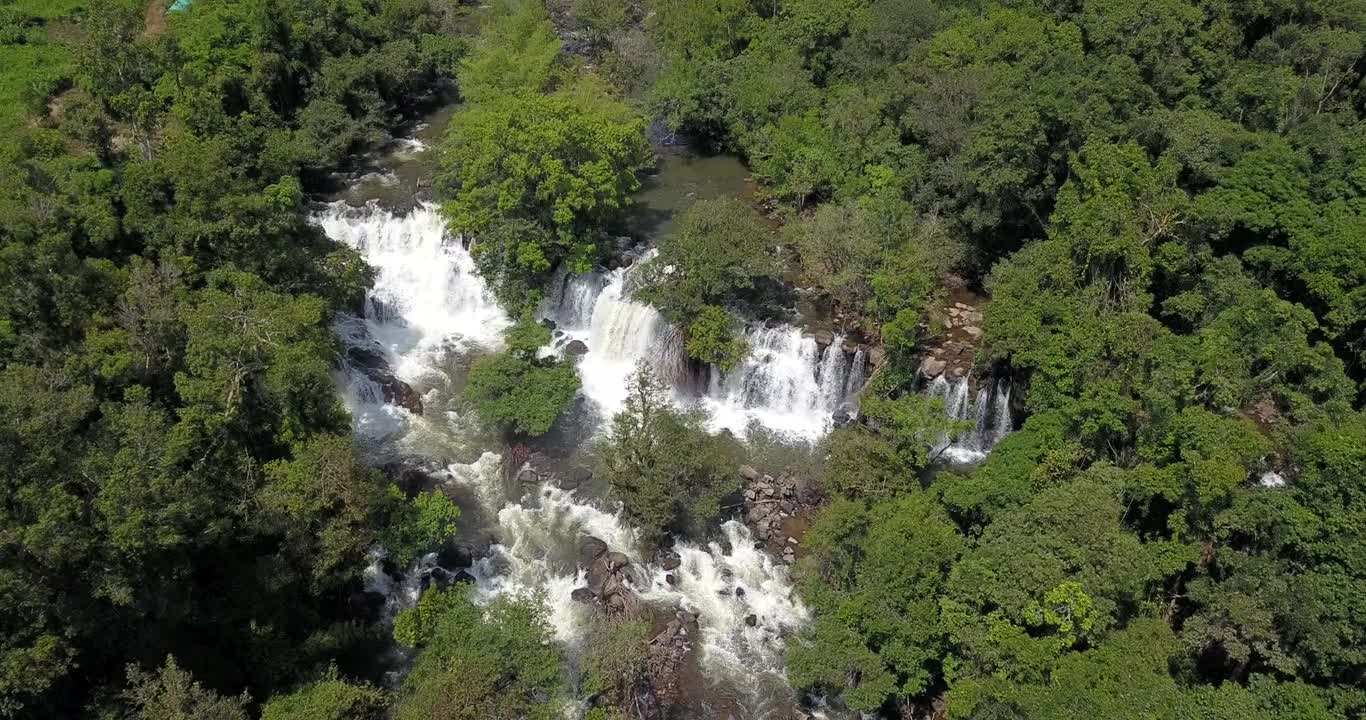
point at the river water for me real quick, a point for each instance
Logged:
(429, 315)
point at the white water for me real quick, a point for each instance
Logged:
(787, 384)
(988, 413)
(428, 309)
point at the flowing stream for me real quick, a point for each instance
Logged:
(428, 315)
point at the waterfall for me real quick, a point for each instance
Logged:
(989, 414)
(427, 297)
(428, 309)
(786, 384)
(537, 553)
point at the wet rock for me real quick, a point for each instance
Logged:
(575, 348)
(670, 580)
(850, 346)
(583, 595)
(576, 478)
(751, 620)
(367, 358)
(669, 560)
(739, 592)
(527, 476)
(590, 549)
(932, 367)
(749, 473)
(617, 561)
(548, 324)
(824, 338)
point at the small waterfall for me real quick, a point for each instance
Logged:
(787, 384)
(989, 414)
(427, 298)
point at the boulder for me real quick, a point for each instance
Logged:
(590, 549)
(850, 346)
(877, 356)
(749, 473)
(583, 595)
(824, 338)
(527, 476)
(575, 348)
(932, 367)
(739, 592)
(973, 331)
(670, 580)
(669, 560)
(751, 620)
(616, 561)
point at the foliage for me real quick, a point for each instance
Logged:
(711, 338)
(615, 663)
(518, 390)
(423, 524)
(171, 693)
(330, 698)
(721, 248)
(540, 164)
(668, 472)
(474, 662)
(180, 475)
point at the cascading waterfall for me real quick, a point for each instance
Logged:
(787, 384)
(989, 414)
(428, 308)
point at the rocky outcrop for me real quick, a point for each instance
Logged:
(373, 365)
(778, 509)
(954, 351)
(608, 587)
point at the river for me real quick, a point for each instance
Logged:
(428, 314)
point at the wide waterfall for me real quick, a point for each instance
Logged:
(787, 384)
(988, 413)
(428, 313)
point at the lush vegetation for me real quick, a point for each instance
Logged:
(1163, 204)
(669, 474)
(179, 476)
(518, 390)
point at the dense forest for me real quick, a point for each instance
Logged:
(1158, 209)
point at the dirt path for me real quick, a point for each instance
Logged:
(154, 20)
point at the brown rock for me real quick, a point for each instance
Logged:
(932, 367)
(749, 473)
(617, 561)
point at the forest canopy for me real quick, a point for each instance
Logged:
(1161, 207)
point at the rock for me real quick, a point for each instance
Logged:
(751, 620)
(669, 560)
(786, 506)
(757, 513)
(749, 494)
(877, 356)
(749, 473)
(973, 331)
(670, 580)
(527, 476)
(841, 418)
(583, 595)
(367, 358)
(850, 345)
(577, 478)
(548, 324)
(932, 367)
(739, 592)
(590, 549)
(617, 602)
(723, 592)
(962, 306)
(792, 541)
(616, 561)
(824, 338)
(397, 392)
(575, 348)
(767, 491)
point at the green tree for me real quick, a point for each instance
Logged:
(475, 663)
(517, 390)
(171, 694)
(668, 472)
(330, 698)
